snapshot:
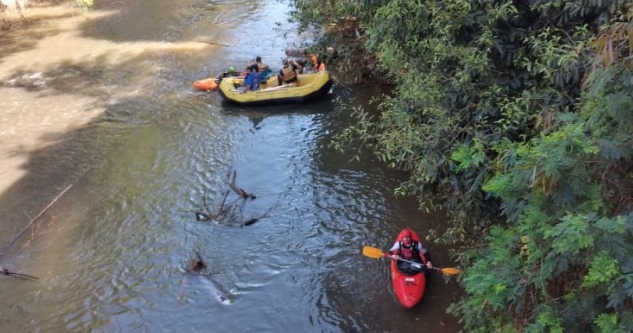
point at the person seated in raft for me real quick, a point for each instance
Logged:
(309, 59)
(287, 74)
(320, 67)
(297, 65)
(301, 58)
(241, 75)
(251, 81)
(408, 249)
(264, 71)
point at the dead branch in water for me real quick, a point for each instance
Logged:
(239, 190)
(6, 272)
(227, 212)
(250, 221)
(224, 201)
(204, 200)
(203, 216)
(213, 43)
(6, 248)
(196, 265)
(208, 215)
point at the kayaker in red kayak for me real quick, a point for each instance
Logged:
(408, 249)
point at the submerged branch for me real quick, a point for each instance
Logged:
(239, 190)
(213, 43)
(6, 272)
(30, 224)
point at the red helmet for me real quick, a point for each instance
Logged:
(407, 233)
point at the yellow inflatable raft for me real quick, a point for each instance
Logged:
(307, 87)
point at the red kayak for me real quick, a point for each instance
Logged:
(409, 288)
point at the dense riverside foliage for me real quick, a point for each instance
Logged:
(515, 117)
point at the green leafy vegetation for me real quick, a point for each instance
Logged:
(85, 4)
(515, 109)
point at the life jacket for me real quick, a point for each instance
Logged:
(264, 72)
(410, 252)
(288, 73)
(261, 67)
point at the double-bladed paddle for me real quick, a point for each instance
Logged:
(376, 253)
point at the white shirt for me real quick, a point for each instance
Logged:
(396, 247)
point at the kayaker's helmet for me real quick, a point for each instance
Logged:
(231, 70)
(284, 61)
(407, 233)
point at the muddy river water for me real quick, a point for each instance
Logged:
(99, 124)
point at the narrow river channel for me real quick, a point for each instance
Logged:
(110, 252)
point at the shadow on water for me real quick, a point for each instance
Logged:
(64, 157)
(69, 154)
(23, 35)
(97, 77)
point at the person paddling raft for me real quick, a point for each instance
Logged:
(408, 249)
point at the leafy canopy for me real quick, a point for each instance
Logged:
(518, 109)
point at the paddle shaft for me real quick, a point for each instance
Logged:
(414, 263)
(377, 253)
(445, 271)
